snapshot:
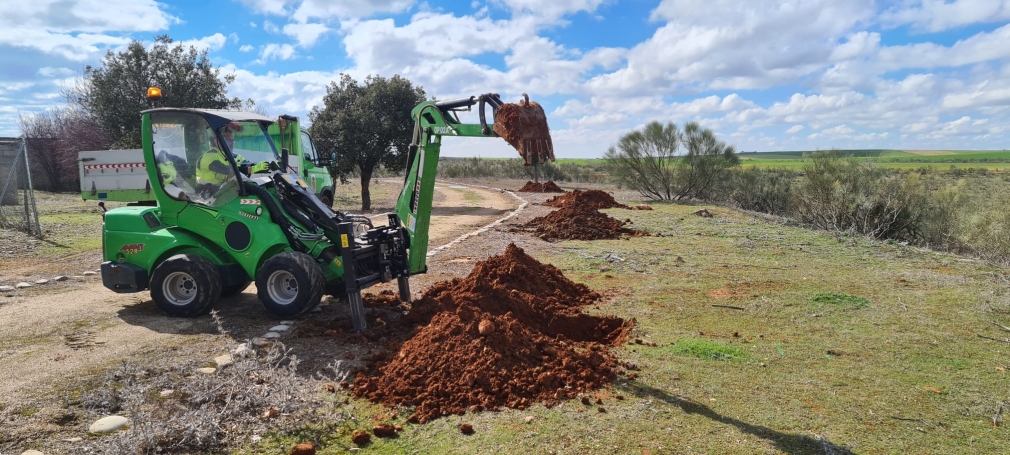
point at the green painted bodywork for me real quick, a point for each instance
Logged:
(414, 204)
(119, 196)
(184, 227)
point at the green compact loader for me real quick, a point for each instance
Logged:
(218, 226)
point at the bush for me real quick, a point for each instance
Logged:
(663, 163)
(761, 190)
(841, 194)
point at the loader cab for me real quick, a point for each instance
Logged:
(196, 154)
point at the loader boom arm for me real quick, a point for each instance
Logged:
(432, 120)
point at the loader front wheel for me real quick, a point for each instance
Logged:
(290, 284)
(185, 285)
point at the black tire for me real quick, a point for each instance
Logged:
(185, 285)
(327, 199)
(290, 284)
(235, 289)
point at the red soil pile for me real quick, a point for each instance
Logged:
(590, 198)
(578, 222)
(536, 347)
(546, 187)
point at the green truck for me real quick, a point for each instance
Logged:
(121, 175)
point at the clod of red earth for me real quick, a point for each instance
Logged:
(601, 409)
(360, 437)
(585, 401)
(398, 427)
(466, 428)
(486, 327)
(305, 448)
(383, 430)
(704, 213)
(590, 198)
(546, 187)
(543, 348)
(579, 222)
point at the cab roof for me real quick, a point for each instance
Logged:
(216, 117)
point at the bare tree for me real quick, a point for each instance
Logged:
(54, 137)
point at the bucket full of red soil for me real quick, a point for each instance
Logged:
(546, 187)
(510, 334)
(590, 198)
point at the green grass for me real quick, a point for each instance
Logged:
(841, 300)
(897, 159)
(865, 379)
(705, 349)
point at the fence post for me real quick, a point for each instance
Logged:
(33, 214)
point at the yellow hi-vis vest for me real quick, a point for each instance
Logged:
(203, 172)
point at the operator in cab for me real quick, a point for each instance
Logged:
(213, 169)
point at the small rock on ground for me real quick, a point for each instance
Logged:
(279, 328)
(73, 440)
(207, 370)
(224, 360)
(42, 281)
(61, 278)
(272, 335)
(108, 424)
(32, 452)
(89, 273)
(23, 285)
(6, 288)
(241, 351)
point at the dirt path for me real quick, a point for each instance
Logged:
(56, 334)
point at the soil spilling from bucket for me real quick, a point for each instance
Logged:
(510, 334)
(546, 187)
(590, 198)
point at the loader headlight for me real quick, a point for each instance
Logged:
(360, 229)
(259, 211)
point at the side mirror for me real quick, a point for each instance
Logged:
(333, 158)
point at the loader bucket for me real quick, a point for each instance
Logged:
(524, 127)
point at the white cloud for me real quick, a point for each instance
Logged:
(550, 10)
(305, 34)
(726, 44)
(246, 48)
(276, 7)
(795, 129)
(213, 42)
(275, 51)
(49, 71)
(347, 9)
(940, 15)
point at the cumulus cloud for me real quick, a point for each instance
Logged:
(305, 34)
(940, 15)
(213, 42)
(275, 51)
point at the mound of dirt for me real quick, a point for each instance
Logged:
(546, 187)
(590, 198)
(578, 222)
(536, 347)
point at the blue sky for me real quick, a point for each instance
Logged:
(764, 75)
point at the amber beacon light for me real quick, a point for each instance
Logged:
(154, 93)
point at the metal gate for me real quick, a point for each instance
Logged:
(17, 197)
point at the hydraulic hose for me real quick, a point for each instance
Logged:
(277, 215)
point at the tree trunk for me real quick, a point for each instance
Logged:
(366, 197)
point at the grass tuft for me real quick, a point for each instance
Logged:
(842, 300)
(704, 349)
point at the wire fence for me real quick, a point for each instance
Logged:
(17, 195)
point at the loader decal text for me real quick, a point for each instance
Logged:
(251, 217)
(132, 248)
(443, 130)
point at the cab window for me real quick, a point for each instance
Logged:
(193, 164)
(307, 148)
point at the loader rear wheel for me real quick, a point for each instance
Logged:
(290, 284)
(185, 285)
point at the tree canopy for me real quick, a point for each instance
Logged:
(664, 163)
(367, 125)
(115, 92)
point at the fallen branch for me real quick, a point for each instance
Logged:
(1002, 340)
(730, 307)
(1001, 326)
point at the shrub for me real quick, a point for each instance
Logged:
(760, 190)
(842, 194)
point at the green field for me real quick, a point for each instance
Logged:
(898, 159)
